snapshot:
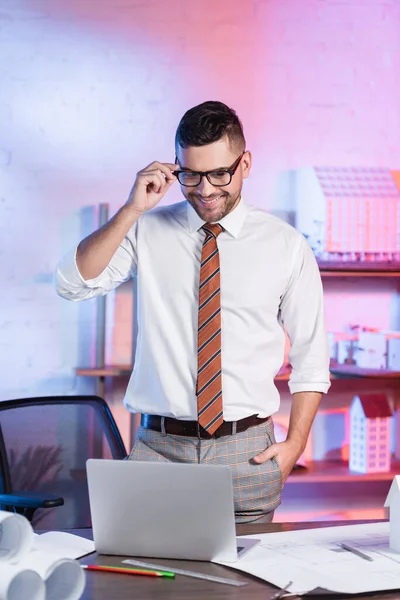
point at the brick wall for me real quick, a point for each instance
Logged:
(92, 91)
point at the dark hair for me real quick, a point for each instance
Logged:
(207, 123)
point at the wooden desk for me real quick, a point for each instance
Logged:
(103, 586)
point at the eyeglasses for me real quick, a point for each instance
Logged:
(217, 178)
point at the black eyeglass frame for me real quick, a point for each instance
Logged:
(231, 171)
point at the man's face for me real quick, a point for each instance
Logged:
(210, 202)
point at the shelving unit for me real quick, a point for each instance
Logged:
(318, 471)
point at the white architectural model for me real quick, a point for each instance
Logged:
(370, 422)
(349, 214)
(378, 350)
(393, 502)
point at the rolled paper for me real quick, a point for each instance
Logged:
(18, 583)
(38, 571)
(16, 536)
(64, 578)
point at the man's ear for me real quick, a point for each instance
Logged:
(246, 164)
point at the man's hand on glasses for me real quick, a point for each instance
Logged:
(151, 184)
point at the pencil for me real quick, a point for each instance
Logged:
(356, 551)
(128, 571)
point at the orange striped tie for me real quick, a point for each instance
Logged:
(209, 380)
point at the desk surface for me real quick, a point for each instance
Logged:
(103, 586)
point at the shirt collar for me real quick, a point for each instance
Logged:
(232, 222)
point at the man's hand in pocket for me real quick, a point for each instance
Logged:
(285, 453)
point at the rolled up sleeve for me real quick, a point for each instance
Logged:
(302, 314)
(70, 284)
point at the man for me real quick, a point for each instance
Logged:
(217, 280)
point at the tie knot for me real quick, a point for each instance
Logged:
(213, 229)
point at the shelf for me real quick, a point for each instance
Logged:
(126, 370)
(330, 471)
(359, 269)
(346, 371)
(337, 372)
(107, 371)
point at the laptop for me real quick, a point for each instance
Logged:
(164, 510)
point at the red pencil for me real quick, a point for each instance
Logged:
(128, 571)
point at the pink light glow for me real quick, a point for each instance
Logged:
(93, 91)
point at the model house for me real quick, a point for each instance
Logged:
(393, 502)
(348, 213)
(370, 421)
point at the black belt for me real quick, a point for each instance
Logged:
(193, 429)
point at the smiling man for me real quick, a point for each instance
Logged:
(218, 281)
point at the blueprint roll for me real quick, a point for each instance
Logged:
(16, 536)
(64, 579)
(20, 584)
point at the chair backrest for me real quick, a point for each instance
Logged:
(44, 446)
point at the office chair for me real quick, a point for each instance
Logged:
(44, 445)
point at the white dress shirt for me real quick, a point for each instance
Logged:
(269, 280)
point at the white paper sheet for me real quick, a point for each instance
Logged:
(312, 558)
(64, 544)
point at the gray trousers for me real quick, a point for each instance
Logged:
(256, 487)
